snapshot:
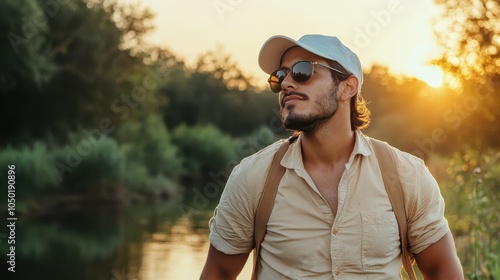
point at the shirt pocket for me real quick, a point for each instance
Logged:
(380, 239)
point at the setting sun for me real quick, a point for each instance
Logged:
(432, 75)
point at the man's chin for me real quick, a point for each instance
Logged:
(303, 123)
(297, 124)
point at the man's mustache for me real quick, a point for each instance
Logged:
(300, 94)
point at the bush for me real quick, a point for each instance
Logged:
(204, 148)
(150, 145)
(138, 179)
(90, 166)
(33, 170)
(147, 162)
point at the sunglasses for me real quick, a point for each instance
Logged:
(301, 72)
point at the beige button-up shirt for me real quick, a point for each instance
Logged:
(305, 241)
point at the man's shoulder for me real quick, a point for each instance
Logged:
(250, 174)
(262, 157)
(409, 167)
(406, 158)
(413, 174)
(401, 157)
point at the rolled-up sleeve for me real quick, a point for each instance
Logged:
(427, 223)
(231, 227)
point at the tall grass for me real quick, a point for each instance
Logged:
(472, 195)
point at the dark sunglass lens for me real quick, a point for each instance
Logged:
(302, 71)
(275, 80)
(280, 74)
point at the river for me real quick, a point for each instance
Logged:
(146, 241)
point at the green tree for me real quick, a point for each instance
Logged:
(217, 92)
(204, 148)
(149, 144)
(24, 51)
(468, 32)
(91, 50)
(407, 112)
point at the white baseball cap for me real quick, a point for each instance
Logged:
(328, 47)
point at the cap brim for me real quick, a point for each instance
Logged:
(273, 49)
(327, 47)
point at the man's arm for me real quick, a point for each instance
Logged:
(221, 266)
(440, 261)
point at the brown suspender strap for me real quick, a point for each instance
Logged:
(266, 202)
(394, 190)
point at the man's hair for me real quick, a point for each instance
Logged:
(360, 115)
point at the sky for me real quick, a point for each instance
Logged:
(395, 33)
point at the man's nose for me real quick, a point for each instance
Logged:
(288, 83)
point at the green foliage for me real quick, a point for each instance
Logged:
(222, 67)
(161, 187)
(153, 162)
(93, 73)
(150, 144)
(23, 49)
(93, 167)
(204, 148)
(216, 92)
(468, 34)
(472, 195)
(75, 63)
(470, 55)
(116, 81)
(423, 121)
(138, 180)
(257, 140)
(33, 170)
(132, 21)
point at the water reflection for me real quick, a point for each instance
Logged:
(175, 255)
(147, 242)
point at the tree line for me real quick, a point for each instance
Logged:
(90, 109)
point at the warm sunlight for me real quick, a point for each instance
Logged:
(432, 75)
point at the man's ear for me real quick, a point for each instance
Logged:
(350, 88)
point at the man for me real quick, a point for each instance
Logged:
(332, 218)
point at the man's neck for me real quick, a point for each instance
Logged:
(327, 146)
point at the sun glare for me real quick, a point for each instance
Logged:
(432, 75)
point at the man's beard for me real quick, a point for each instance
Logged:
(326, 109)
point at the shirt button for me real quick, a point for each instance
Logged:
(337, 272)
(335, 231)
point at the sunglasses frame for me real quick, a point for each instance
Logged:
(288, 70)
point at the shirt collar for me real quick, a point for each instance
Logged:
(293, 157)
